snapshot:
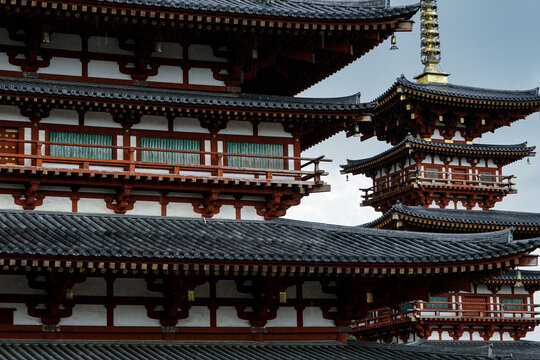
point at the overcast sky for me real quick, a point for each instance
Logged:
(485, 43)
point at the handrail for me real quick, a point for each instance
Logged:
(446, 178)
(216, 165)
(451, 310)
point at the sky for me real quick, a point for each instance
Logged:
(484, 43)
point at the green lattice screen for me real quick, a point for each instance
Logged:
(437, 299)
(79, 151)
(518, 304)
(255, 149)
(170, 144)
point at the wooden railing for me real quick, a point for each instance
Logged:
(450, 310)
(217, 166)
(443, 178)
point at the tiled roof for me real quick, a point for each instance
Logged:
(467, 92)
(123, 236)
(527, 275)
(520, 350)
(170, 96)
(496, 150)
(481, 217)
(316, 9)
(93, 350)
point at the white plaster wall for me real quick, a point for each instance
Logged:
(6, 202)
(63, 42)
(458, 136)
(505, 290)
(120, 142)
(286, 316)
(92, 286)
(106, 168)
(250, 213)
(482, 289)
(445, 335)
(227, 289)
(11, 113)
(17, 284)
(475, 336)
(202, 76)
(198, 316)
(202, 52)
(86, 315)
(146, 208)
(93, 206)
(133, 287)
(105, 69)
(56, 203)
(41, 135)
(181, 210)
(20, 315)
(185, 124)
(5, 65)
(168, 74)
(313, 290)
(313, 317)
(272, 129)
(126, 315)
(490, 163)
(437, 135)
(170, 50)
(235, 127)
(202, 291)
(226, 212)
(291, 154)
(152, 122)
(60, 165)
(63, 66)
(100, 119)
(506, 337)
(101, 44)
(64, 117)
(5, 40)
(226, 316)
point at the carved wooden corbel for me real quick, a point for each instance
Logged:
(208, 206)
(177, 296)
(352, 300)
(59, 295)
(31, 197)
(121, 202)
(277, 205)
(126, 117)
(35, 111)
(142, 65)
(265, 291)
(34, 57)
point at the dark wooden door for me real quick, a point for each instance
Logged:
(8, 147)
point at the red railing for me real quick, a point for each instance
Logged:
(417, 310)
(440, 179)
(217, 166)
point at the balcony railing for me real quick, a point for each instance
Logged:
(448, 179)
(440, 311)
(212, 164)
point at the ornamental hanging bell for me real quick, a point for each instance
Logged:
(393, 41)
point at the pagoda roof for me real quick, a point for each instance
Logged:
(74, 235)
(494, 151)
(180, 97)
(520, 350)
(466, 92)
(327, 350)
(313, 9)
(512, 275)
(499, 218)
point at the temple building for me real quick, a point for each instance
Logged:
(148, 149)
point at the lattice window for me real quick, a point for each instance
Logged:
(86, 152)
(438, 299)
(433, 173)
(513, 304)
(487, 176)
(255, 149)
(169, 157)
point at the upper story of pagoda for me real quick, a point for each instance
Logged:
(421, 172)
(443, 112)
(270, 47)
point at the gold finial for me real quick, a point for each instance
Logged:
(430, 43)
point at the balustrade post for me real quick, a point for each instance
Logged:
(220, 164)
(131, 155)
(39, 160)
(317, 176)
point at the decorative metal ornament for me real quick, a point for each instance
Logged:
(393, 41)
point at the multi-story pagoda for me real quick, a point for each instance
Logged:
(433, 124)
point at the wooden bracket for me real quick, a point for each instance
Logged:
(264, 304)
(277, 205)
(31, 197)
(34, 57)
(176, 301)
(121, 202)
(208, 206)
(59, 296)
(126, 117)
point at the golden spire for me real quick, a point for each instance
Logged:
(430, 43)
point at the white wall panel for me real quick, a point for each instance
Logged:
(63, 42)
(202, 76)
(86, 315)
(11, 113)
(125, 315)
(63, 66)
(105, 69)
(100, 119)
(152, 122)
(168, 74)
(64, 117)
(235, 127)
